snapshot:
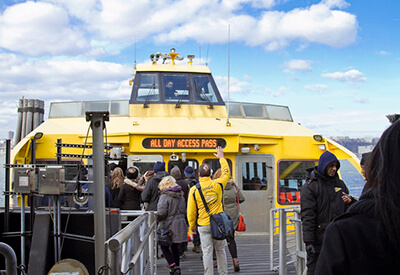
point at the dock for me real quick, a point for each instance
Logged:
(253, 255)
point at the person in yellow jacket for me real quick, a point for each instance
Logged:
(199, 218)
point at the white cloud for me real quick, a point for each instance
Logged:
(361, 100)
(36, 28)
(383, 53)
(316, 24)
(66, 78)
(93, 27)
(352, 76)
(281, 91)
(297, 65)
(316, 88)
(236, 86)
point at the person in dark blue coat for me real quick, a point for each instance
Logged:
(323, 198)
(366, 239)
(151, 192)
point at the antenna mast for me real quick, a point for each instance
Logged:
(229, 57)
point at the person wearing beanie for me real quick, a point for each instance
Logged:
(129, 196)
(189, 172)
(323, 198)
(159, 166)
(151, 192)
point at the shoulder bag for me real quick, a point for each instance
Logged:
(221, 225)
(164, 235)
(241, 225)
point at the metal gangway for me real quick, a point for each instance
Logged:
(133, 249)
(286, 240)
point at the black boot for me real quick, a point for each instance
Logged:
(176, 270)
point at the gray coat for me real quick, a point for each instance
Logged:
(171, 212)
(230, 202)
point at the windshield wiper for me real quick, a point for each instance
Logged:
(150, 94)
(180, 97)
(203, 95)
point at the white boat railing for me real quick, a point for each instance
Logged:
(286, 240)
(133, 250)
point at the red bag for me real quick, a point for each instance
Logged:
(241, 225)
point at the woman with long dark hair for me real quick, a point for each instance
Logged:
(366, 239)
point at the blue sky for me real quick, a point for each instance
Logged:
(335, 63)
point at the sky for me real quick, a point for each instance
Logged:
(334, 63)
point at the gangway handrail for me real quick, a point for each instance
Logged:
(10, 257)
(281, 221)
(133, 249)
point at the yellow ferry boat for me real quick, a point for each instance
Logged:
(177, 115)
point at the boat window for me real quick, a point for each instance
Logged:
(148, 88)
(182, 165)
(143, 162)
(278, 112)
(214, 164)
(292, 176)
(176, 87)
(253, 110)
(254, 175)
(235, 110)
(79, 108)
(204, 91)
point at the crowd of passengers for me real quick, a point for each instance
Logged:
(168, 194)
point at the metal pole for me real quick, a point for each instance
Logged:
(22, 230)
(282, 242)
(97, 124)
(32, 198)
(58, 227)
(301, 254)
(55, 230)
(7, 187)
(271, 239)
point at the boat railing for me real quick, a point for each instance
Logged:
(133, 250)
(286, 240)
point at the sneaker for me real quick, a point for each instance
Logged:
(176, 270)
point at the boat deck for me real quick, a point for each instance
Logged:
(253, 254)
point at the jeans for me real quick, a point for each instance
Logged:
(207, 245)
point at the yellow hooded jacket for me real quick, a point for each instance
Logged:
(213, 195)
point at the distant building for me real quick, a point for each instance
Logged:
(357, 145)
(365, 149)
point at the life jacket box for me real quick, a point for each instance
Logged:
(24, 179)
(51, 180)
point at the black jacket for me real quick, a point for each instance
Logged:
(357, 243)
(151, 193)
(321, 202)
(129, 197)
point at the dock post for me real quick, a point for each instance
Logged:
(282, 242)
(97, 124)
